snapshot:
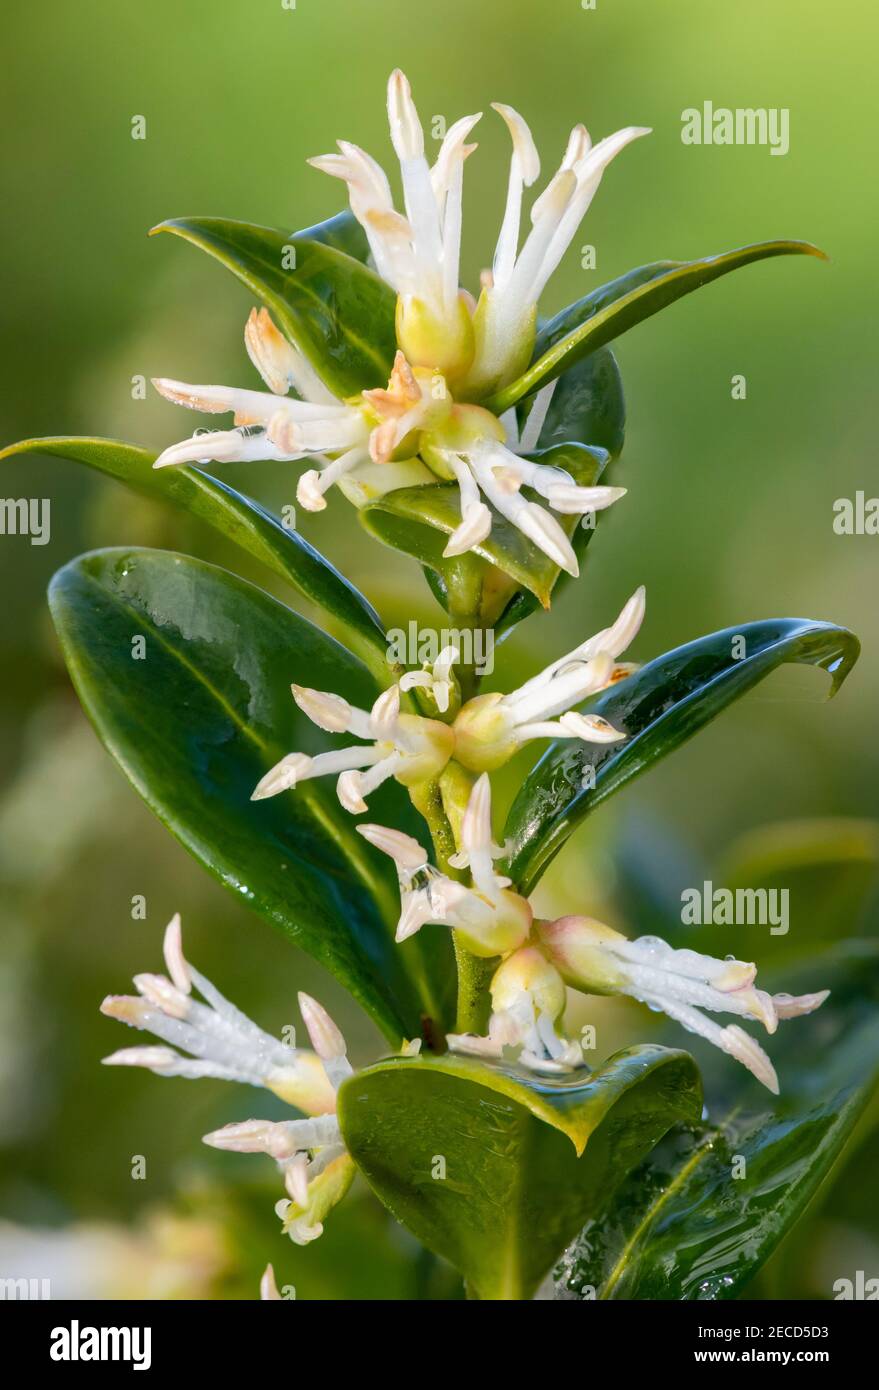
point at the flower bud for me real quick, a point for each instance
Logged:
(528, 972)
(577, 946)
(485, 733)
(441, 343)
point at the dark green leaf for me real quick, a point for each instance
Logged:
(523, 1157)
(240, 519)
(659, 708)
(335, 310)
(201, 717)
(343, 232)
(711, 1203)
(607, 312)
(587, 406)
(419, 521)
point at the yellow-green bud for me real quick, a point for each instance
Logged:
(440, 343)
(484, 733)
(575, 945)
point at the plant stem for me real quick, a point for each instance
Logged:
(474, 1000)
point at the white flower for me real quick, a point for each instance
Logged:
(490, 728)
(528, 1000)
(680, 983)
(272, 425)
(221, 1040)
(435, 678)
(473, 451)
(489, 919)
(224, 1043)
(507, 310)
(310, 1153)
(268, 1286)
(419, 254)
(406, 746)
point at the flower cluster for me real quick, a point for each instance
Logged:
(484, 734)
(222, 1042)
(453, 351)
(537, 958)
(432, 423)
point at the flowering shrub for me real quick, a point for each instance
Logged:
(475, 437)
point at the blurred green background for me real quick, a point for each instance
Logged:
(728, 518)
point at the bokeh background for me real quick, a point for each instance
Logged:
(728, 518)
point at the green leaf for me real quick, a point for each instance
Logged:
(343, 232)
(241, 520)
(419, 521)
(659, 708)
(201, 717)
(827, 867)
(710, 1204)
(524, 1156)
(607, 312)
(335, 310)
(587, 406)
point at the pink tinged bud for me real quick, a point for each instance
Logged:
(153, 1058)
(252, 1136)
(163, 995)
(282, 777)
(740, 1045)
(577, 946)
(405, 851)
(296, 1179)
(792, 1006)
(268, 1288)
(591, 728)
(528, 973)
(175, 960)
(126, 1009)
(327, 711)
(326, 1038)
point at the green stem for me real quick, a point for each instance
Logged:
(474, 1000)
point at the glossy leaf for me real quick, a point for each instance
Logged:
(587, 406)
(607, 312)
(420, 520)
(524, 1156)
(196, 716)
(238, 518)
(334, 309)
(343, 232)
(659, 708)
(711, 1203)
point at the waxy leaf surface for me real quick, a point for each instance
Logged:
(659, 707)
(185, 672)
(522, 1157)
